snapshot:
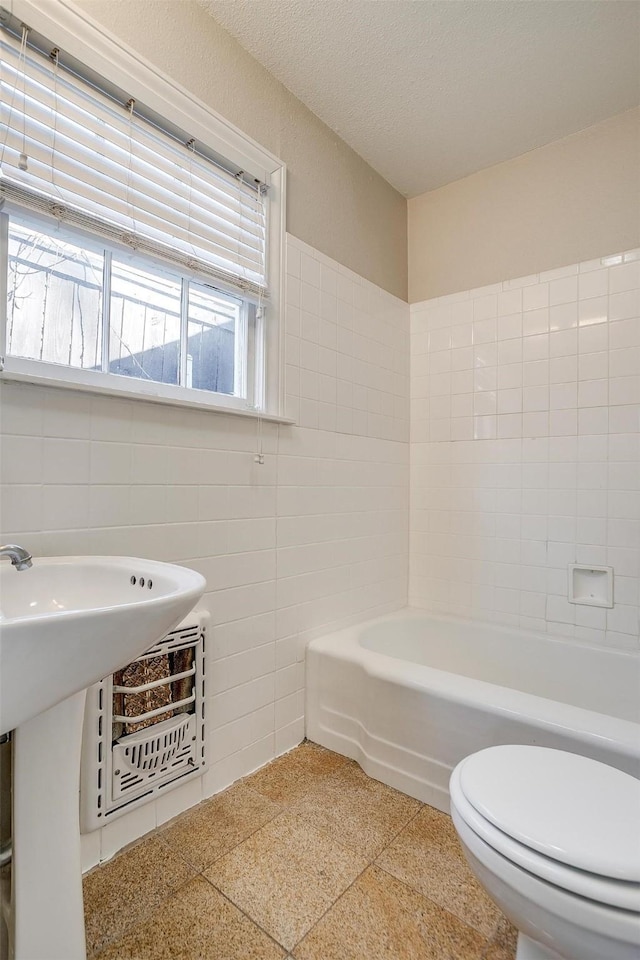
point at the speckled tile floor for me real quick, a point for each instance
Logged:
(309, 859)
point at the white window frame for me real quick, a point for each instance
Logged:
(75, 32)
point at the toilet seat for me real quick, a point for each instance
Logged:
(503, 795)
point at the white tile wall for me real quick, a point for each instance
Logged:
(525, 448)
(313, 539)
(346, 350)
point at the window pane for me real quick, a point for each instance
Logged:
(144, 324)
(211, 346)
(54, 299)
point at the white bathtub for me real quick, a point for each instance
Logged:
(409, 695)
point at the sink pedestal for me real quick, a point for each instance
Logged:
(48, 914)
(67, 622)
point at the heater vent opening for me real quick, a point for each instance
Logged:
(144, 726)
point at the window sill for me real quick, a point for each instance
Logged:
(111, 385)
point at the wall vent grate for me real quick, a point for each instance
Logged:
(144, 726)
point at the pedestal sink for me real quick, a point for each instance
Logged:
(65, 623)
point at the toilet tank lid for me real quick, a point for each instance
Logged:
(567, 807)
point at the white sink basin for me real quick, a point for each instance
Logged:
(69, 621)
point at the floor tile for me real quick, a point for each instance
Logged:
(286, 875)
(218, 825)
(359, 811)
(289, 778)
(287, 854)
(493, 952)
(427, 856)
(127, 888)
(196, 923)
(379, 918)
(503, 943)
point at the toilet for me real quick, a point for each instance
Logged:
(554, 838)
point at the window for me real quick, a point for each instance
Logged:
(133, 257)
(94, 310)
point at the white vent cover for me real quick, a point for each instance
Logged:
(144, 728)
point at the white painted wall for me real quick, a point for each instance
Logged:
(316, 537)
(571, 200)
(525, 449)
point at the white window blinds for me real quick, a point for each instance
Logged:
(94, 163)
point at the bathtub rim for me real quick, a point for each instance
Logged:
(556, 716)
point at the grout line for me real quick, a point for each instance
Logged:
(439, 906)
(329, 908)
(370, 862)
(200, 871)
(292, 808)
(245, 914)
(157, 833)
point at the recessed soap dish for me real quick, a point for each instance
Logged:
(590, 585)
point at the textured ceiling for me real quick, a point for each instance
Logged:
(428, 91)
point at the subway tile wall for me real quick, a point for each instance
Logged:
(313, 539)
(525, 449)
(347, 350)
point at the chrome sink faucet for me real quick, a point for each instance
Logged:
(20, 558)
